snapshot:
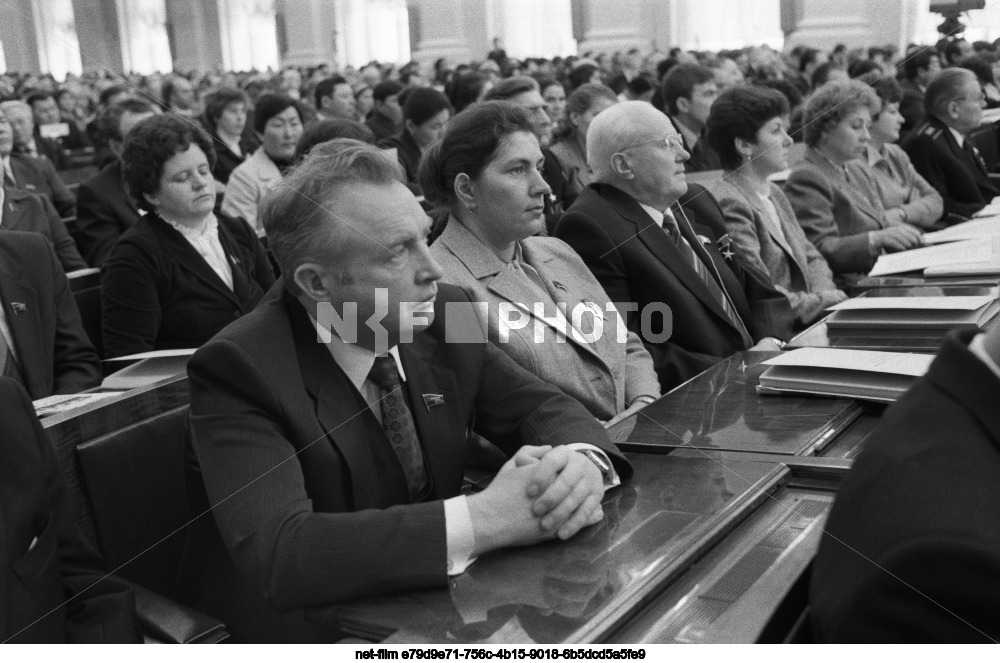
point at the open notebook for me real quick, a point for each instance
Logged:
(860, 374)
(971, 256)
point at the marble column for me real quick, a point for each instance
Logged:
(21, 39)
(854, 23)
(459, 30)
(97, 30)
(195, 37)
(309, 33)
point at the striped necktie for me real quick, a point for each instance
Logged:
(715, 288)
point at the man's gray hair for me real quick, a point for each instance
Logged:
(621, 126)
(301, 216)
(946, 87)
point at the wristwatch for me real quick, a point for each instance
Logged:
(599, 460)
(777, 341)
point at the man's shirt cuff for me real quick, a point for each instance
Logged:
(459, 534)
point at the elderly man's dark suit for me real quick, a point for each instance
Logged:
(45, 568)
(958, 175)
(52, 349)
(30, 212)
(47, 150)
(308, 496)
(38, 176)
(912, 547)
(636, 262)
(103, 213)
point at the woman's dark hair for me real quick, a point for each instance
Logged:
(885, 87)
(509, 88)
(861, 67)
(580, 75)
(465, 90)
(580, 102)
(423, 103)
(149, 145)
(469, 144)
(216, 103)
(740, 112)
(327, 130)
(269, 105)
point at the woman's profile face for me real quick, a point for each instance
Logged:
(846, 139)
(769, 151)
(886, 128)
(510, 192)
(186, 192)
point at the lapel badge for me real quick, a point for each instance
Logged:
(725, 245)
(433, 400)
(18, 307)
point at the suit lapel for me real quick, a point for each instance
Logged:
(837, 180)
(686, 225)
(185, 254)
(970, 382)
(778, 238)
(348, 426)
(424, 377)
(16, 289)
(13, 210)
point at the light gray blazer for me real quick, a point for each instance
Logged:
(791, 262)
(248, 184)
(836, 214)
(603, 375)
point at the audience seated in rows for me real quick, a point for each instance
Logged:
(181, 273)
(569, 144)
(688, 92)
(425, 115)
(387, 114)
(747, 131)
(48, 117)
(645, 248)
(486, 172)
(278, 124)
(840, 209)
(26, 142)
(340, 520)
(104, 210)
(225, 118)
(919, 69)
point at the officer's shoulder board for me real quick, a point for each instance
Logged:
(930, 131)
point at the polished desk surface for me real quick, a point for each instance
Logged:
(675, 511)
(720, 409)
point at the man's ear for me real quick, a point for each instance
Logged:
(622, 166)
(410, 126)
(309, 277)
(683, 105)
(953, 109)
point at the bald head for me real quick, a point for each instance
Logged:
(635, 148)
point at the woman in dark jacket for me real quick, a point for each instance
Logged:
(225, 118)
(180, 274)
(425, 116)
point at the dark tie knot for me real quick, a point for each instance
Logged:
(384, 373)
(670, 227)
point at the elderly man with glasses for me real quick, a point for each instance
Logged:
(660, 249)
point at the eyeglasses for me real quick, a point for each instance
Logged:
(673, 142)
(978, 98)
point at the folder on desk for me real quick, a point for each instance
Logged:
(942, 312)
(988, 227)
(859, 374)
(981, 251)
(147, 368)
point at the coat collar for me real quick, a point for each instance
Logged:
(837, 177)
(16, 287)
(962, 375)
(746, 188)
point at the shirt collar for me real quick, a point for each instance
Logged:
(655, 214)
(958, 137)
(357, 361)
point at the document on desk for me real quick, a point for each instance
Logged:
(59, 403)
(988, 227)
(860, 374)
(150, 368)
(944, 313)
(953, 253)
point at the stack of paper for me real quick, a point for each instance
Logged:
(944, 313)
(974, 254)
(861, 374)
(988, 227)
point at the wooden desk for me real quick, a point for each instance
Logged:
(692, 528)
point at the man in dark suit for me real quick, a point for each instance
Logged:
(688, 92)
(642, 246)
(919, 69)
(940, 150)
(911, 551)
(31, 174)
(22, 120)
(47, 573)
(40, 322)
(47, 114)
(103, 209)
(29, 212)
(387, 115)
(333, 468)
